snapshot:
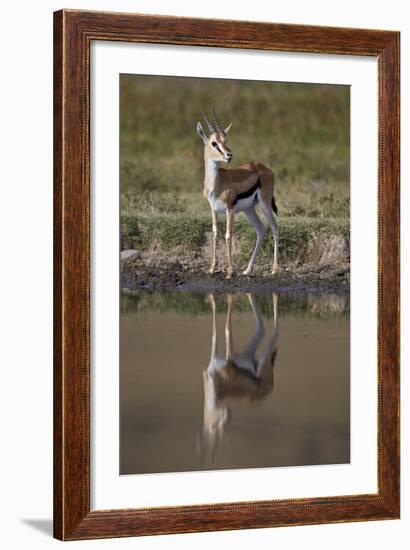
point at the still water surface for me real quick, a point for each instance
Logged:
(246, 381)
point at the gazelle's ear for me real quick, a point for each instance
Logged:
(227, 128)
(201, 133)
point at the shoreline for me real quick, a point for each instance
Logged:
(139, 275)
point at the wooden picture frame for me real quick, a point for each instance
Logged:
(74, 32)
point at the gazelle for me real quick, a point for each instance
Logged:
(235, 190)
(236, 375)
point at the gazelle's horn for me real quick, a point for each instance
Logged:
(216, 122)
(210, 127)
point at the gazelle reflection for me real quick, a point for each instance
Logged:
(236, 375)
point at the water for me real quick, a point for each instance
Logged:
(217, 381)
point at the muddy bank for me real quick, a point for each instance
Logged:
(169, 274)
(174, 254)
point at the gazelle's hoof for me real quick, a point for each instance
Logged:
(274, 270)
(229, 275)
(246, 272)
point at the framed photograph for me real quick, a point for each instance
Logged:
(226, 275)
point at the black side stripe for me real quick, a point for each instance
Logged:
(248, 193)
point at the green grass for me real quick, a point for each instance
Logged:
(189, 234)
(300, 130)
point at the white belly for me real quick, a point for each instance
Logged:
(244, 204)
(220, 206)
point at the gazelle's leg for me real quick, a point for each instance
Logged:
(214, 236)
(246, 360)
(214, 333)
(275, 310)
(267, 359)
(267, 210)
(228, 237)
(252, 347)
(228, 328)
(260, 232)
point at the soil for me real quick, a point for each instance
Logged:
(157, 273)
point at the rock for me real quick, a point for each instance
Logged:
(336, 250)
(130, 255)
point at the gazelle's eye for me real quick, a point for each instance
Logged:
(214, 144)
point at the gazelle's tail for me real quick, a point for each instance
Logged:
(274, 207)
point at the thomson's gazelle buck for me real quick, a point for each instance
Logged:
(235, 190)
